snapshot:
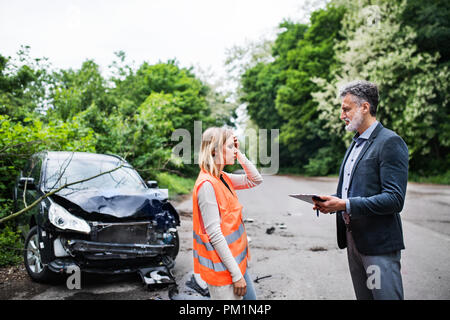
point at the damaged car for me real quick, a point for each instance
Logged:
(110, 221)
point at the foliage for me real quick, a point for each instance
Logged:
(278, 94)
(10, 246)
(23, 84)
(157, 100)
(414, 91)
(441, 178)
(20, 140)
(430, 20)
(175, 183)
(321, 163)
(397, 44)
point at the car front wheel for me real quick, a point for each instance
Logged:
(32, 258)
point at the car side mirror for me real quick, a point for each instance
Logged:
(28, 181)
(152, 184)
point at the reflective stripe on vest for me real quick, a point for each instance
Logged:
(236, 235)
(218, 266)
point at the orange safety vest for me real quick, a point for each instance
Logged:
(207, 262)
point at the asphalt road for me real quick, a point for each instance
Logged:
(300, 258)
(304, 258)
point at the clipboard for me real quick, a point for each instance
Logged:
(304, 197)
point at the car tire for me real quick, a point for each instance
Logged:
(32, 259)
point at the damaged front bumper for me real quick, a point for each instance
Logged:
(105, 251)
(108, 258)
(111, 258)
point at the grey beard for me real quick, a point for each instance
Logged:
(355, 123)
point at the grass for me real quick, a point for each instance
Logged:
(177, 185)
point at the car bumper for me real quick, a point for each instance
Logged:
(106, 251)
(111, 258)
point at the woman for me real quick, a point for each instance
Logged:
(220, 240)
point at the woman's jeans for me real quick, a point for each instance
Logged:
(251, 294)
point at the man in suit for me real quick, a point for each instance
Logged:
(370, 196)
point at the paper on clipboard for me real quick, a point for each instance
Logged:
(304, 197)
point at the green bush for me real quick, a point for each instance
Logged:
(19, 140)
(324, 163)
(443, 178)
(11, 246)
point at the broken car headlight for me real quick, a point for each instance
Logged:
(62, 219)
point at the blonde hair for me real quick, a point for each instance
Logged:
(213, 140)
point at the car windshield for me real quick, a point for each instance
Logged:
(62, 171)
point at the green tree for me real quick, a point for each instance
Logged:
(430, 20)
(23, 84)
(278, 94)
(414, 91)
(182, 98)
(312, 56)
(76, 90)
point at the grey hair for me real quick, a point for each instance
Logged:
(362, 91)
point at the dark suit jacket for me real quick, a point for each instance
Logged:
(377, 193)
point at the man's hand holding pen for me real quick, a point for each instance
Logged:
(329, 204)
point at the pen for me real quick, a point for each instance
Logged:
(317, 198)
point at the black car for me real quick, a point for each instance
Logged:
(114, 223)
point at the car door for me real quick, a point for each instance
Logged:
(26, 194)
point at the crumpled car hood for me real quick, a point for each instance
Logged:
(117, 204)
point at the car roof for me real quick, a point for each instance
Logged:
(60, 155)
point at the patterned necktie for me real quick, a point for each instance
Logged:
(346, 217)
